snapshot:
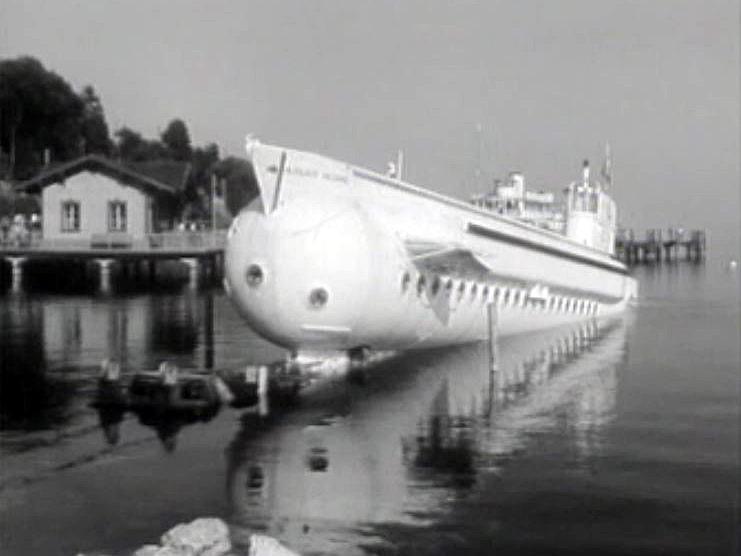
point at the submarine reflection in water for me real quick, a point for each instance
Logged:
(422, 428)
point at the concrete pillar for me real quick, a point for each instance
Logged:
(16, 264)
(104, 266)
(194, 268)
(263, 404)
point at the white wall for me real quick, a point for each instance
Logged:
(93, 191)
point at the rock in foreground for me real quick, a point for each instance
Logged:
(261, 545)
(208, 536)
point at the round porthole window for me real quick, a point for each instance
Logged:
(318, 298)
(435, 286)
(421, 284)
(254, 275)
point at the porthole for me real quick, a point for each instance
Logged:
(435, 288)
(421, 284)
(318, 298)
(254, 275)
(406, 279)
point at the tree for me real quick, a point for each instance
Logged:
(95, 136)
(177, 140)
(240, 181)
(132, 147)
(38, 111)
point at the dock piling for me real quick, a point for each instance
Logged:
(658, 246)
(194, 269)
(104, 266)
(492, 314)
(16, 265)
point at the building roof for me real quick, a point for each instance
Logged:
(166, 177)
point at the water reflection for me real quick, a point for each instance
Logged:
(165, 400)
(51, 347)
(29, 398)
(401, 447)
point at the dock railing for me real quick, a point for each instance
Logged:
(660, 245)
(173, 241)
(161, 242)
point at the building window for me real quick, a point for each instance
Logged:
(117, 216)
(70, 216)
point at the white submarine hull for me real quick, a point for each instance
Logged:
(332, 257)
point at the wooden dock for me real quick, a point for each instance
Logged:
(660, 246)
(201, 252)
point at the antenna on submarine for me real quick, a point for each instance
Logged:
(396, 169)
(479, 148)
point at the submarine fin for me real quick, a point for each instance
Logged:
(269, 164)
(448, 259)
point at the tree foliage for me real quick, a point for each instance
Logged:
(41, 114)
(38, 111)
(95, 134)
(238, 178)
(132, 147)
(177, 139)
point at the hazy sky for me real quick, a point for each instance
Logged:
(549, 81)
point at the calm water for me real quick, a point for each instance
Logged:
(620, 438)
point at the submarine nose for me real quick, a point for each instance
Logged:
(300, 275)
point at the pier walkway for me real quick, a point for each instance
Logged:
(200, 251)
(660, 245)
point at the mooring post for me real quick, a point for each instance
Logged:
(263, 406)
(208, 331)
(492, 314)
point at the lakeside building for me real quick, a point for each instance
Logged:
(97, 200)
(512, 198)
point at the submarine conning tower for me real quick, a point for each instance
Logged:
(591, 215)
